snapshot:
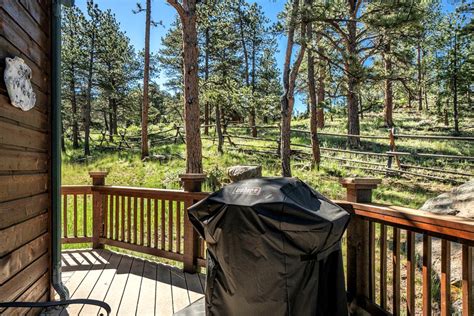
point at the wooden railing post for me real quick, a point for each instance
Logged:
(191, 182)
(359, 276)
(98, 200)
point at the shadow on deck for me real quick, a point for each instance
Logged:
(130, 285)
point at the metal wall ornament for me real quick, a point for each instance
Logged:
(18, 82)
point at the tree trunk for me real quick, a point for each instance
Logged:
(353, 126)
(420, 92)
(425, 90)
(106, 122)
(206, 77)
(220, 137)
(455, 87)
(75, 124)
(313, 103)
(110, 126)
(252, 110)
(388, 100)
(63, 145)
(114, 116)
(247, 67)
(321, 86)
(87, 107)
(446, 118)
(146, 78)
(289, 79)
(191, 87)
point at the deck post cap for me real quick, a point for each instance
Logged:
(97, 174)
(192, 181)
(98, 177)
(360, 181)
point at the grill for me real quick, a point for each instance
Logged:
(273, 248)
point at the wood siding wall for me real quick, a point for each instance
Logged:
(25, 142)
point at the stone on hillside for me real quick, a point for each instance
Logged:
(459, 202)
(237, 173)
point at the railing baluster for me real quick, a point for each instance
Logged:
(383, 266)
(445, 277)
(122, 226)
(396, 271)
(75, 219)
(65, 216)
(135, 220)
(129, 219)
(170, 225)
(106, 214)
(178, 226)
(117, 216)
(372, 260)
(148, 222)
(411, 264)
(84, 212)
(426, 275)
(467, 291)
(155, 224)
(163, 223)
(142, 218)
(111, 217)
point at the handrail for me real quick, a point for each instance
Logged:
(150, 192)
(153, 221)
(76, 189)
(447, 227)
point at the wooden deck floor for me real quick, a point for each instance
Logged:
(131, 286)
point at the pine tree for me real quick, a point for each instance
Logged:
(290, 72)
(73, 58)
(187, 13)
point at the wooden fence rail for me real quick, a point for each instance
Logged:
(458, 174)
(379, 246)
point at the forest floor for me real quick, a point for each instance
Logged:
(126, 167)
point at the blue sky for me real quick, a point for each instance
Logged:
(134, 24)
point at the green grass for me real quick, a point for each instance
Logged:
(126, 168)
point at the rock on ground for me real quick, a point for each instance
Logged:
(237, 173)
(459, 202)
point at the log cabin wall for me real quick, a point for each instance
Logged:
(25, 147)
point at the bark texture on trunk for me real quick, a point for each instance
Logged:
(146, 78)
(206, 77)
(420, 90)
(220, 135)
(63, 145)
(313, 103)
(455, 87)
(110, 126)
(388, 99)
(321, 86)
(75, 124)
(287, 100)
(187, 13)
(353, 125)
(252, 110)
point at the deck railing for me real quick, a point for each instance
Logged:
(379, 246)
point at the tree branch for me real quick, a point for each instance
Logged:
(333, 42)
(179, 8)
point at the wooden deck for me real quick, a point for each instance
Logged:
(130, 285)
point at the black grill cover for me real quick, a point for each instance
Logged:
(273, 249)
